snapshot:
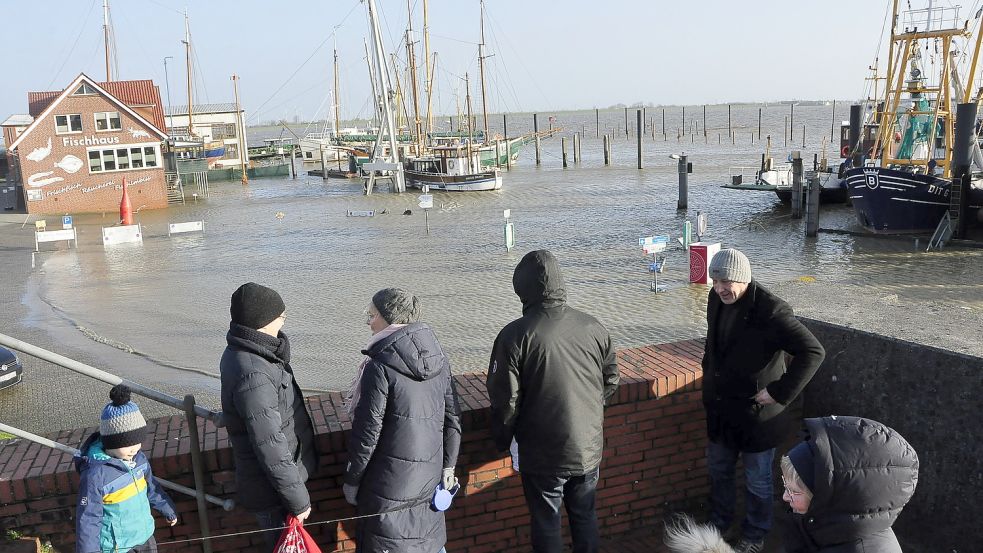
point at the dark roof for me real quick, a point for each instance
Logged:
(132, 93)
(201, 108)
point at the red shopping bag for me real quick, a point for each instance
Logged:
(295, 539)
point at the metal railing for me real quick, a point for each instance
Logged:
(187, 406)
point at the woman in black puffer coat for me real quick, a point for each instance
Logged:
(860, 474)
(406, 430)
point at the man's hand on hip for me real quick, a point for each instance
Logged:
(764, 398)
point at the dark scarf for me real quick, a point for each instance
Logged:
(276, 349)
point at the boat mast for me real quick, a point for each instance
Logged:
(467, 92)
(376, 118)
(882, 129)
(241, 131)
(385, 99)
(105, 34)
(187, 60)
(427, 67)
(481, 68)
(971, 76)
(411, 60)
(337, 95)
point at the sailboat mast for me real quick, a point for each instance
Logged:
(337, 95)
(187, 56)
(467, 96)
(411, 60)
(376, 119)
(105, 34)
(481, 67)
(241, 131)
(426, 66)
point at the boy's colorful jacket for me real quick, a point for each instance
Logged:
(114, 500)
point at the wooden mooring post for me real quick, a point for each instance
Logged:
(535, 130)
(563, 148)
(796, 185)
(576, 147)
(597, 122)
(639, 133)
(537, 151)
(607, 150)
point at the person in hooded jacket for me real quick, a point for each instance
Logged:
(549, 375)
(117, 488)
(406, 430)
(846, 484)
(265, 414)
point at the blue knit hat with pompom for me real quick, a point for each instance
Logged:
(121, 424)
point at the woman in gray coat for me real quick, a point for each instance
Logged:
(406, 430)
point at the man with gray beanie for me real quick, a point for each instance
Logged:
(746, 389)
(271, 432)
(550, 373)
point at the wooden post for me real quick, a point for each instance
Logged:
(607, 150)
(626, 124)
(665, 135)
(704, 121)
(498, 153)
(535, 122)
(505, 127)
(796, 185)
(803, 136)
(791, 120)
(684, 120)
(638, 129)
(293, 169)
(324, 164)
(576, 142)
(832, 123)
(563, 148)
(812, 206)
(537, 151)
(785, 130)
(597, 122)
(759, 124)
(683, 168)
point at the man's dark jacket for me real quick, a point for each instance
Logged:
(265, 414)
(406, 429)
(865, 473)
(550, 373)
(750, 359)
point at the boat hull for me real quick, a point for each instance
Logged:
(475, 182)
(893, 201)
(827, 194)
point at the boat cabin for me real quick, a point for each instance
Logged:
(448, 160)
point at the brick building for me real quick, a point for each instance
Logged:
(72, 151)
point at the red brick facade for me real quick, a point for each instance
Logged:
(53, 181)
(653, 465)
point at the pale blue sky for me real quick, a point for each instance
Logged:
(545, 55)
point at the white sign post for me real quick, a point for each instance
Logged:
(654, 245)
(509, 231)
(66, 222)
(426, 202)
(121, 235)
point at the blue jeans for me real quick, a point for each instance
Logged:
(273, 520)
(544, 495)
(722, 463)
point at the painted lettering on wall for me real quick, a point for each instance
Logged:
(64, 189)
(90, 140)
(112, 183)
(141, 180)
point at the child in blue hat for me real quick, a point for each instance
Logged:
(116, 485)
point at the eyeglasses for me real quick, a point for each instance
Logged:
(369, 315)
(790, 491)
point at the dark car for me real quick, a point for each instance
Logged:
(10, 368)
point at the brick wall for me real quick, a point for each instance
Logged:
(653, 464)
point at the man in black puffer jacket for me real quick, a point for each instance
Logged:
(858, 475)
(271, 432)
(550, 373)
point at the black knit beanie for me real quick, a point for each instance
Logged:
(802, 459)
(255, 305)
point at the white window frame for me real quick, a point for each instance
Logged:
(68, 121)
(86, 90)
(112, 151)
(107, 117)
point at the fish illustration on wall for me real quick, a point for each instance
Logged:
(69, 164)
(37, 154)
(38, 180)
(138, 133)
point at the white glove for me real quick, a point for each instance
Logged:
(448, 479)
(351, 493)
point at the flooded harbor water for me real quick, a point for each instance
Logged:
(157, 313)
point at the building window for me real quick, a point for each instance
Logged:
(224, 131)
(231, 151)
(67, 124)
(86, 88)
(108, 121)
(122, 159)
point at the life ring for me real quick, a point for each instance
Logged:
(845, 151)
(450, 164)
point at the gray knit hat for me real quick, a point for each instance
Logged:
(397, 306)
(121, 423)
(730, 264)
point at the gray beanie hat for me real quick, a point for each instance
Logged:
(730, 264)
(397, 306)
